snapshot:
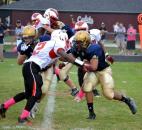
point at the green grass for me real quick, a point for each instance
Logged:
(11, 83)
(69, 115)
(111, 115)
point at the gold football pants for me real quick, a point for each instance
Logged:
(104, 78)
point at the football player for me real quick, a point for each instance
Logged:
(95, 37)
(43, 56)
(98, 72)
(25, 48)
(53, 15)
(45, 26)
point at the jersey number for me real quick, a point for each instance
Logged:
(39, 46)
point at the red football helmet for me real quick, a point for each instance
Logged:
(35, 18)
(51, 14)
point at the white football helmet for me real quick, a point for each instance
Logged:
(36, 16)
(81, 25)
(51, 13)
(59, 35)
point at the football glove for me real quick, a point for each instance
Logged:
(109, 59)
(87, 67)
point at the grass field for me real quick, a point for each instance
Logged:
(69, 115)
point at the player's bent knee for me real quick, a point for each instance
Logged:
(108, 93)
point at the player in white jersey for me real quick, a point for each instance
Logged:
(52, 15)
(43, 25)
(46, 25)
(44, 34)
(43, 57)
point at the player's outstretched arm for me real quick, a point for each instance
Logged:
(70, 58)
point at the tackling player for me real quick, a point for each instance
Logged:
(95, 37)
(43, 56)
(98, 72)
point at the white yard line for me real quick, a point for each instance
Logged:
(49, 109)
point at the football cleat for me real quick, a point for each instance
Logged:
(96, 93)
(92, 116)
(24, 121)
(132, 105)
(34, 110)
(74, 92)
(2, 111)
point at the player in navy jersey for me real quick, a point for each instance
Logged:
(98, 71)
(25, 49)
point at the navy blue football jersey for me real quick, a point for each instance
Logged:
(76, 53)
(23, 49)
(92, 50)
(97, 51)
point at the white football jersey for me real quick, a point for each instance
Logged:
(95, 35)
(45, 53)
